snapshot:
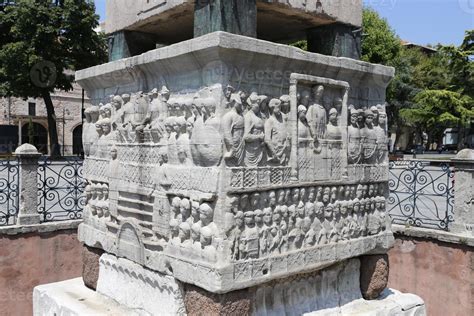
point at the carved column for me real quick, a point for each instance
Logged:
(336, 39)
(28, 159)
(464, 192)
(233, 16)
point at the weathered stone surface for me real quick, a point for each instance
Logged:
(172, 21)
(254, 161)
(72, 298)
(90, 266)
(139, 288)
(374, 271)
(202, 302)
(464, 188)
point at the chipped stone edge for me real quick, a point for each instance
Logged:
(449, 237)
(40, 228)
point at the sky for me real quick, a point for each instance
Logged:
(418, 21)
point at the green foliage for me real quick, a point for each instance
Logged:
(380, 44)
(42, 41)
(439, 109)
(303, 44)
(41, 30)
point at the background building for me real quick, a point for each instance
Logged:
(25, 121)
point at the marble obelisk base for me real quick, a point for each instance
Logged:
(126, 288)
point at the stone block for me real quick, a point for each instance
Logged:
(228, 162)
(374, 271)
(90, 266)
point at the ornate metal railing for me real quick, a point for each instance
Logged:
(60, 189)
(421, 194)
(9, 191)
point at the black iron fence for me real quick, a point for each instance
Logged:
(421, 194)
(60, 189)
(9, 191)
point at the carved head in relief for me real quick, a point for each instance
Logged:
(164, 94)
(382, 119)
(206, 214)
(236, 103)
(272, 200)
(107, 111)
(356, 204)
(195, 232)
(117, 102)
(175, 204)
(189, 125)
(276, 217)
(333, 116)
(343, 208)
(98, 128)
(326, 195)
(195, 210)
(305, 98)
(371, 191)
(360, 192)
(244, 202)
(328, 211)
(239, 219)
(295, 195)
(169, 122)
(302, 113)
(258, 214)
(88, 192)
(378, 203)
(318, 209)
(267, 216)
(174, 228)
(369, 118)
(281, 197)
(333, 194)
(306, 224)
(249, 219)
(285, 103)
(318, 92)
(87, 114)
(206, 236)
(185, 208)
(275, 106)
(253, 102)
(360, 118)
(353, 115)
(312, 195)
(184, 231)
(228, 90)
(126, 98)
(254, 200)
(106, 125)
(113, 153)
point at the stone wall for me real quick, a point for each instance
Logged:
(441, 273)
(33, 258)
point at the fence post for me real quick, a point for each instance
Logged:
(28, 159)
(463, 192)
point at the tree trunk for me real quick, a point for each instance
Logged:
(52, 128)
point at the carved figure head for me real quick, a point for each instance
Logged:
(195, 232)
(184, 231)
(267, 216)
(185, 208)
(295, 195)
(206, 214)
(206, 236)
(328, 210)
(275, 106)
(285, 103)
(343, 208)
(305, 97)
(249, 218)
(117, 102)
(126, 98)
(369, 118)
(312, 195)
(98, 128)
(281, 196)
(244, 202)
(371, 190)
(106, 125)
(258, 214)
(302, 113)
(333, 116)
(189, 125)
(195, 210)
(360, 191)
(228, 90)
(276, 217)
(306, 225)
(254, 200)
(318, 92)
(87, 114)
(175, 204)
(113, 153)
(326, 194)
(272, 198)
(239, 219)
(164, 93)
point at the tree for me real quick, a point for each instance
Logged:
(380, 44)
(446, 96)
(41, 42)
